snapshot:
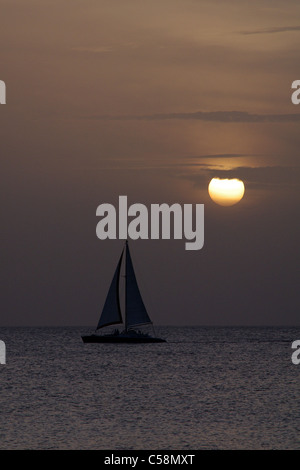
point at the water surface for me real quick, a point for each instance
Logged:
(206, 388)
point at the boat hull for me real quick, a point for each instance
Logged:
(121, 339)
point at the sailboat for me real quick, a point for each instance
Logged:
(135, 314)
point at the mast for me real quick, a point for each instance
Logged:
(125, 276)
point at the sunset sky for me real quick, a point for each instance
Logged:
(149, 100)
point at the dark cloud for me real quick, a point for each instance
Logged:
(264, 177)
(222, 155)
(283, 29)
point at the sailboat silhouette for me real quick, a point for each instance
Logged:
(135, 311)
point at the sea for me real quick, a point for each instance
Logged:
(206, 388)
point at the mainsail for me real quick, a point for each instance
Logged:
(136, 313)
(111, 313)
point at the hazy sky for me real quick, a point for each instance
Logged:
(149, 100)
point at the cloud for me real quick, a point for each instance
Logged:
(214, 116)
(283, 29)
(223, 155)
(263, 177)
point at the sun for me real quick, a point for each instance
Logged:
(226, 192)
